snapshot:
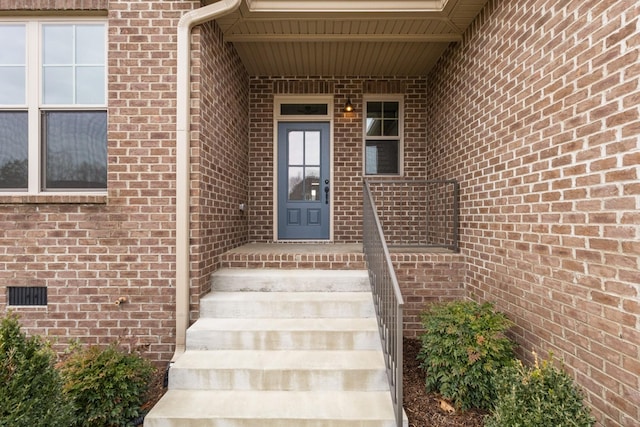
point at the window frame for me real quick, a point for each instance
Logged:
(35, 107)
(399, 98)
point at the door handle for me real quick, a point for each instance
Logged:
(326, 194)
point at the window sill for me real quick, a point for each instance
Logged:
(66, 198)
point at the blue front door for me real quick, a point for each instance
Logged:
(303, 181)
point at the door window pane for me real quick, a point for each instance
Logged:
(13, 64)
(296, 148)
(312, 184)
(312, 148)
(296, 183)
(304, 165)
(13, 150)
(75, 149)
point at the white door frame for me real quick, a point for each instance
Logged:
(278, 117)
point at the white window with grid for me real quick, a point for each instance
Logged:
(383, 126)
(53, 115)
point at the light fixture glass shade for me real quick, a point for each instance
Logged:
(348, 107)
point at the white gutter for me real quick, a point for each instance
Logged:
(183, 166)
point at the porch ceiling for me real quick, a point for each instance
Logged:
(345, 38)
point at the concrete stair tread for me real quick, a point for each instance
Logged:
(324, 370)
(286, 304)
(280, 348)
(227, 296)
(273, 405)
(280, 360)
(279, 280)
(284, 324)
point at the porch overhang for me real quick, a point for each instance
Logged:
(345, 38)
(311, 38)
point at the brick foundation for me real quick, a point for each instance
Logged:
(427, 278)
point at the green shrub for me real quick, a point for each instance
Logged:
(463, 346)
(540, 396)
(106, 384)
(31, 391)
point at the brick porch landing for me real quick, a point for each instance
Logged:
(316, 256)
(333, 256)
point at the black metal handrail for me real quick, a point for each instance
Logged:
(387, 299)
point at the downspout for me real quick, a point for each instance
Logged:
(183, 166)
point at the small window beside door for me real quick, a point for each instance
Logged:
(383, 137)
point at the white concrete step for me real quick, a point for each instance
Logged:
(287, 304)
(199, 408)
(280, 348)
(275, 280)
(284, 334)
(280, 370)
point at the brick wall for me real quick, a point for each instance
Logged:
(348, 168)
(537, 114)
(426, 278)
(219, 156)
(88, 251)
(416, 212)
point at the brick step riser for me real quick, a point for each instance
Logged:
(323, 261)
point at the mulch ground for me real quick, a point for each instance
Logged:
(423, 409)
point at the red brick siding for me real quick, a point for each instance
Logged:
(416, 212)
(536, 113)
(427, 278)
(219, 156)
(89, 251)
(348, 168)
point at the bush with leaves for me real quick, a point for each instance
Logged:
(463, 346)
(31, 392)
(106, 384)
(539, 396)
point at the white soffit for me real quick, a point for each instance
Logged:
(345, 6)
(346, 38)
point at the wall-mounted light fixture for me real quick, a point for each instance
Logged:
(348, 107)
